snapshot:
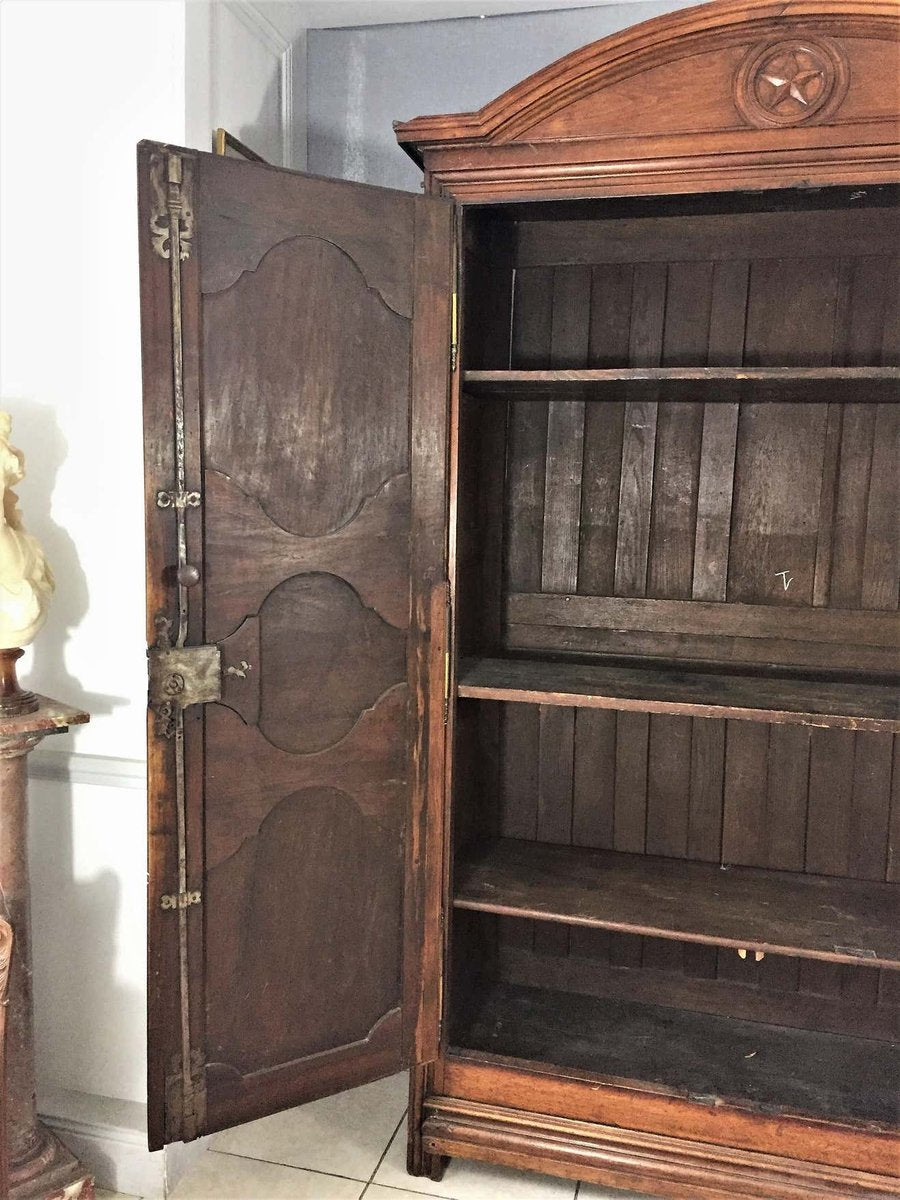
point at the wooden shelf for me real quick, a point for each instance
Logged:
(693, 1055)
(775, 912)
(810, 384)
(873, 707)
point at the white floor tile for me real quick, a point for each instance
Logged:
(377, 1192)
(227, 1177)
(102, 1194)
(465, 1180)
(341, 1135)
(592, 1191)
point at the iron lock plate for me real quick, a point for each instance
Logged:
(184, 675)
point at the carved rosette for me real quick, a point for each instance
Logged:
(791, 82)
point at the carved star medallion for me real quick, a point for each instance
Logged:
(797, 77)
(789, 82)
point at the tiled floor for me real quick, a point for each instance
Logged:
(349, 1147)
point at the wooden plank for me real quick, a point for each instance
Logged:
(668, 806)
(851, 505)
(678, 436)
(881, 559)
(648, 304)
(775, 912)
(775, 513)
(830, 790)
(709, 652)
(519, 771)
(554, 811)
(714, 499)
(870, 806)
(603, 431)
(778, 1069)
(593, 807)
(745, 794)
(893, 849)
(703, 993)
(875, 707)
(761, 384)
(831, 763)
(701, 237)
(834, 424)
(594, 778)
(559, 559)
(705, 808)
(707, 783)
(622, 613)
(668, 786)
(562, 503)
(630, 817)
(787, 786)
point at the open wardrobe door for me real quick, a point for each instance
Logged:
(295, 334)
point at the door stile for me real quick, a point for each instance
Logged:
(429, 650)
(170, 293)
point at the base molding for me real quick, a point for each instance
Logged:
(52, 1173)
(650, 1163)
(110, 1138)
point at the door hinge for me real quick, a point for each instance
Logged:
(180, 900)
(454, 330)
(186, 1098)
(446, 686)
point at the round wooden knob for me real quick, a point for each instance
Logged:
(188, 575)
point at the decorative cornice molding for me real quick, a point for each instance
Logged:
(596, 66)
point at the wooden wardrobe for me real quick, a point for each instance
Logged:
(522, 606)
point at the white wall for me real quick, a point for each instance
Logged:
(247, 75)
(82, 83)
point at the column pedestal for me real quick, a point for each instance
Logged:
(40, 1167)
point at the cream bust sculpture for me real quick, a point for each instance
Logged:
(26, 582)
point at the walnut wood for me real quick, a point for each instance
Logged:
(775, 912)
(559, 132)
(833, 626)
(716, 384)
(597, 976)
(305, 805)
(718, 268)
(646, 1163)
(693, 1055)
(627, 689)
(557, 1093)
(690, 491)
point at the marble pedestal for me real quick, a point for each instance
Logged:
(40, 1167)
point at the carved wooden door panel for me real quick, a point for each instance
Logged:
(287, 321)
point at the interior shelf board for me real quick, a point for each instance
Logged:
(774, 912)
(867, 384)
(874, 707)
(693, 1055)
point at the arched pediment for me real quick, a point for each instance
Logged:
(733, 69)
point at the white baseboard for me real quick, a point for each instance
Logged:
(110, 1138)
(101, 770)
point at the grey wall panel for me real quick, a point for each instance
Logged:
(362, 79)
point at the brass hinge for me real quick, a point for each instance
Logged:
(454, 330)
(180, 900)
